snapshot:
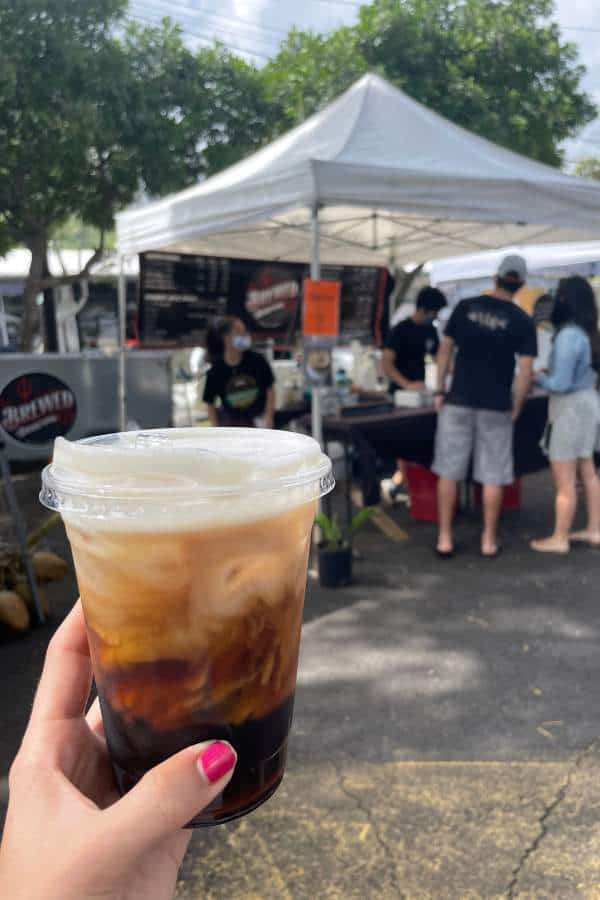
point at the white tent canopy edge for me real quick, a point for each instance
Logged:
(543, 258)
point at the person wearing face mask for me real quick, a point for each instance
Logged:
(239, 378)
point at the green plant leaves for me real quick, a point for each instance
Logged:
(361, 518)
(331, 529)
(334, 534)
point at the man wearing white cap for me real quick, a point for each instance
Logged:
(477, 414)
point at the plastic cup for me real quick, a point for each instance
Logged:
(191, 549)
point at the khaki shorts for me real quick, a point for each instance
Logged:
(484, 436)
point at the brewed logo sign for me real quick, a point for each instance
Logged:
(273, 296)
(37, 408)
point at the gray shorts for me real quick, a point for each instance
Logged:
(574, 420)
(483, 435)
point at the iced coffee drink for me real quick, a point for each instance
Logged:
(191, 549)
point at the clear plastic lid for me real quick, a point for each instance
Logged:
(179, 477)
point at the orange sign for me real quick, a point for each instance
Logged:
(321, 308)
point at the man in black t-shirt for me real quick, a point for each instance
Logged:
(406, 350)
(241, 379)
(477, 415)
(411, 341)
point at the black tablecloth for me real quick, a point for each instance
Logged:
(287, 414)
(409, 434)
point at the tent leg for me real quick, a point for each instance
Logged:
(122, 294)
(315, 274)
(3, 326)
(315, 260)
(316, 411)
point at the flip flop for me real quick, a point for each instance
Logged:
(578, 538)
(497, 552)
(444, 554)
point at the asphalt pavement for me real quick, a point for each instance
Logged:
(446, 740)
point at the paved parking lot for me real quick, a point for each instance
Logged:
(445, 741)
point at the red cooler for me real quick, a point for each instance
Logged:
(422, 489)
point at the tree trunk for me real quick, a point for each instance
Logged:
(30, 319)
(49, 309)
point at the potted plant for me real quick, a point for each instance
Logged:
(335, 550)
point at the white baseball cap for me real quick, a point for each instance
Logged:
(515, 266)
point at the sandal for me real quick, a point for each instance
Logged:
(549, 545)
(584, 537)
(444, 554)
(493, 555)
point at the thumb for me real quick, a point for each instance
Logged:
(169, 796)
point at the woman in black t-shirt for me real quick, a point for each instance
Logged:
(239, 378)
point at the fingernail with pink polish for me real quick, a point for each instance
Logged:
(217, 761)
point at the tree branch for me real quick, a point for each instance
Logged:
(58, 280)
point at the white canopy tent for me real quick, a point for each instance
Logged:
(542, 259)
(374, 178)
(391, 180)
(464, 276)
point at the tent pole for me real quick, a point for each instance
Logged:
(315, 260)
(316, 410)
(122, 377)
(315, 274)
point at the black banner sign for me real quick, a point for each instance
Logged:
(180, 294)
(37, 408)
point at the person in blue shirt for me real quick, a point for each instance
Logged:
(574, 413)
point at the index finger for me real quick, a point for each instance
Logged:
(67, 676)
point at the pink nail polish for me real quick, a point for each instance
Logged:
(217, 760)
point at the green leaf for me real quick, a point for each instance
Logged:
(331, 530)
(361, 518)
(324, 523)
(589, 168)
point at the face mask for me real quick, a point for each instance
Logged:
(242, 341)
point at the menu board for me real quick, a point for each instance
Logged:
(181, 294)
(365, 292)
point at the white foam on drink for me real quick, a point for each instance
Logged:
(182, 478)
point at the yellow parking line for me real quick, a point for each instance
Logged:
(390, 528)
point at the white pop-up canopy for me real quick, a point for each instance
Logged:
(464, 276)
(542, 259)
(390, 179)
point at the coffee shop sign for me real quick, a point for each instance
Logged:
(37, 408)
